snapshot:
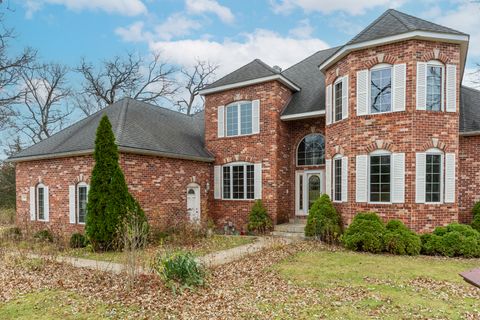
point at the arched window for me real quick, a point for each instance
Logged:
(381, 88)
(311, 150)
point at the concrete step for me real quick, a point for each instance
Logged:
(290, 227)
(290, 235)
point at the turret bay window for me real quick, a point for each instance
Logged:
(239, 118)
(311, 150)
(434, 86)
(381, 89)
(380, 177)
(338, 100)
(240, 181)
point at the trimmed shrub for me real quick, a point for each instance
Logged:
(454, 240)
(78, 240)
(476, 216)
(109, 200)
(365, 233)
(258, 220)
(180, 270)
(323, 221)
(43, 236)
(398, 239)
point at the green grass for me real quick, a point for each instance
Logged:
(56, 304)
(203, 247)
(353, 285)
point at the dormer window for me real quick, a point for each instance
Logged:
(381, 89)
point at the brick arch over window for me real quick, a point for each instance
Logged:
(238, 158)
(435, 55)
(435, 143)
(380, 145)
(378, 59)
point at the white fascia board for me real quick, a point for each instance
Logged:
(277, 77)
(304, 115)
(400, 37)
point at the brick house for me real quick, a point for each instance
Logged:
(381, 123)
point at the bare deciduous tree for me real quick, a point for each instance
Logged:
(196, 78)
(45, 106)
(10, 73)
(127, 76)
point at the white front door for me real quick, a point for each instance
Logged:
(309, 185)
(193, 203)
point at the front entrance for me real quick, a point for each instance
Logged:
(309, 185)
(193, 203)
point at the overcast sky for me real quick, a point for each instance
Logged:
(230, 33)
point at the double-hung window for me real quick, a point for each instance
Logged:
(381, 89)
(239, 119)
(337, 179)
(380, 177)
(338, 100)
(82, 195)
(238, 181)
(434, 86)
(433, 177)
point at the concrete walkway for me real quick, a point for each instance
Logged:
(209, 260)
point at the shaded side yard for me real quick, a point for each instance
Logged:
(298, 281)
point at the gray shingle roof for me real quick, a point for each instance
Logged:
(137, 126)
(469, 110)
(393, 22)
(253, 70)
(311, 80)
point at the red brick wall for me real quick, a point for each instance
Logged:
(158, 183)
(410, 131)
(469, 178)
(271, 146)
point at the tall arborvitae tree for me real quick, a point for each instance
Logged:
(109, 202)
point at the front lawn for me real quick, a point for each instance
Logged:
(355, 285)
(201, 247)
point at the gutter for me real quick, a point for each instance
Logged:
(120, 149)
(304, 115)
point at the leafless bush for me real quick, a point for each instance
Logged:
(7, 216)
(134, 238)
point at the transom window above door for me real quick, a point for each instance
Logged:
(239, 119)
(381, 89)
(311, 150)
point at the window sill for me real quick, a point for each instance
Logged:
(238, 136)
(382, 203)
(246, 200)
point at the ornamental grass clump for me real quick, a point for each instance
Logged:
(180, 271)
(323, 221)
(365, 233)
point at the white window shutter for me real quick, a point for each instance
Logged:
(450, 178)
(257, 181)
(451, 88)
(344, 179)
(398, 178)
(361, 186)
(46, 200)
(221, 121)
(362, 92)
(32, 203)
(255, 116)
(345, 97)
(328, 103)
(421, 86)
(399, 85)
(217, 182)
(420, 177)
(328, 177)
(71, 203)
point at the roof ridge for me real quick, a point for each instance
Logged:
(393, 13)
(293, 65)
(162, 108)
(265, 65)
(370, 25)
(121, 120)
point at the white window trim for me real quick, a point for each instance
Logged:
(239, 119)
(379, 66)
(310, 165)
(37, 206)
(231, 165)
(436, 151)
(378, 153)
(334, 99)
(336, 157)
(77, 200)
(436, 63)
